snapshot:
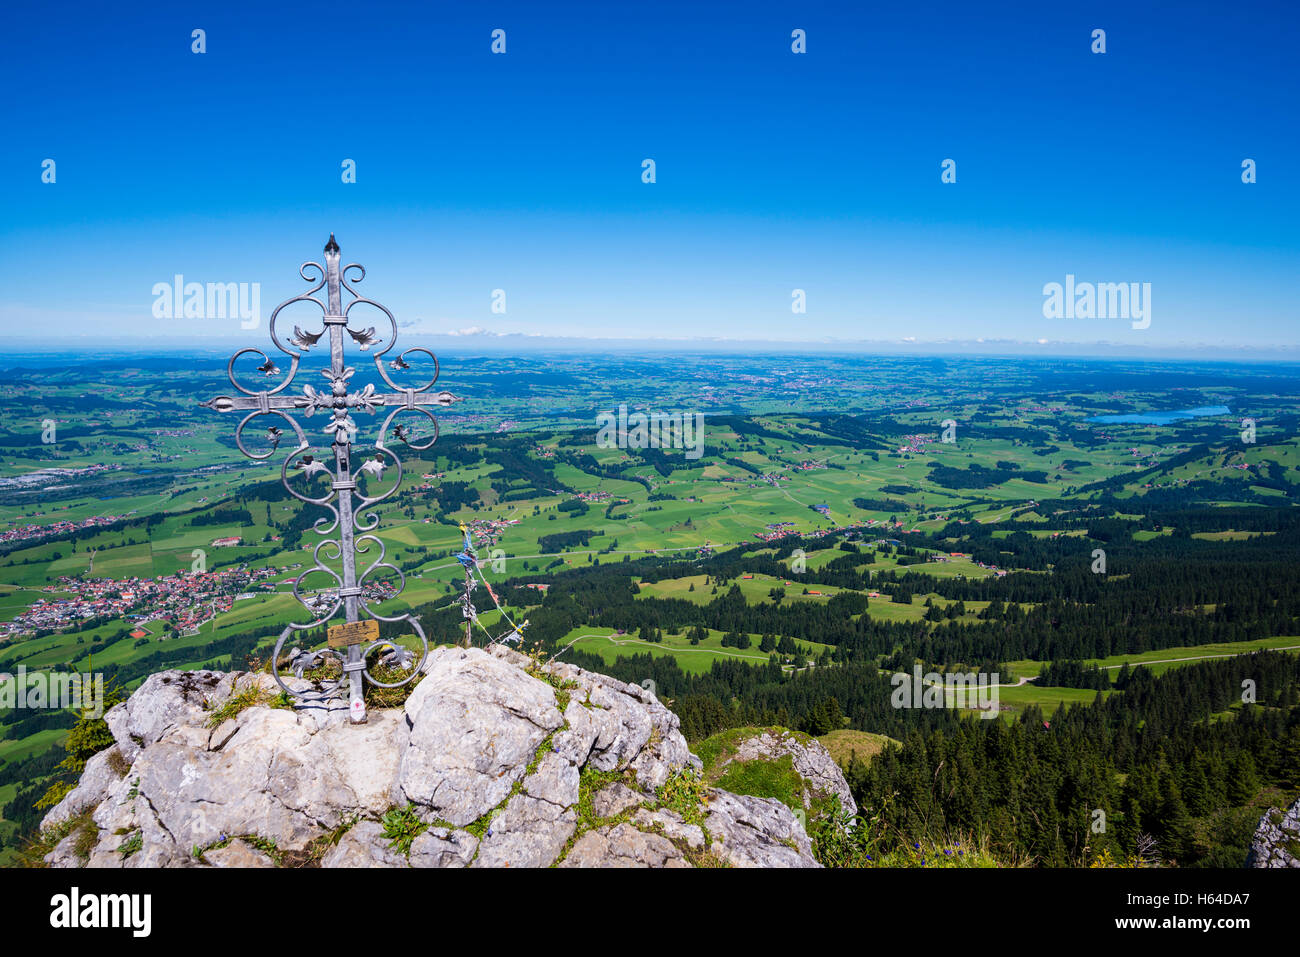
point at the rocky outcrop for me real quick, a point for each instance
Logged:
(792, 766)
(1277, 839)
(490, 762)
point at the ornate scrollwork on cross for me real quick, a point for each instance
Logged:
(343, 499)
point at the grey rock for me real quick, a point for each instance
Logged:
(1275, 839)
(363, 845)
(273, 779)
(443, 847)
(614, 800)
(622, 845)
(64, 853)
(476, 721)
(666, 752)
(238, 854)
(364, 757)
(97, 780)
(756, 832)
(102, 858)
(197, 796)
(555, 780)
(222, 734)
(188, 736)
(622, 728)
(671, 825)
(527, 833)
(165, 701)
(115, 814)
(575, 741)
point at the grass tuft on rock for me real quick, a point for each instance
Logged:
(402, 825)
(237, 704)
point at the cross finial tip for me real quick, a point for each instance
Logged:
(331, 246)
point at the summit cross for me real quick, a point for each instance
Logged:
(344, 499)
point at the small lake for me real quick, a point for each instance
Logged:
(1162, 418)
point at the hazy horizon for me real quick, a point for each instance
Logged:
(525, 345)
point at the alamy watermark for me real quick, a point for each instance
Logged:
(1102, 300)
(651, 430)
(179, 299)
(53, 689)
(76, 910)
(963, 690)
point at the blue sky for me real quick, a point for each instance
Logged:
(775, 171)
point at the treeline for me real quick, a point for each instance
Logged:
(1073, 674)
(223, 516)
(1148, 763)
(979, 476)
(29, 777)
(733, 694)
(881, 505)
(453, 496)
(563, 540)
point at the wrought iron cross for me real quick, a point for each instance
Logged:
(344, 500)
